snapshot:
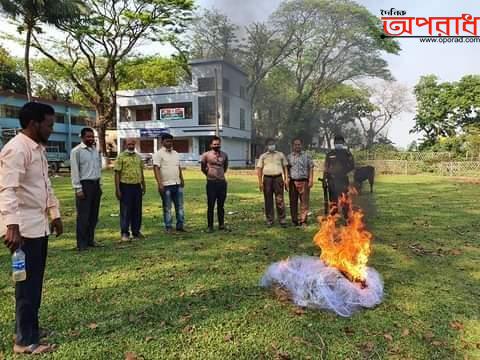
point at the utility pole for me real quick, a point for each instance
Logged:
(217, 113)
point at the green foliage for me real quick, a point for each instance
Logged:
(149, 72)
(10, 75)
(446, 109)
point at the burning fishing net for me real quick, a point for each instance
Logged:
(339, 280)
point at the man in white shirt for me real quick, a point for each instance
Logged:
(86, 171)
(168, 173)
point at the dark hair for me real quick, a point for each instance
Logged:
(338, 138)
(85, 130)
(214, 138)
(297, 138)
(167, 137)
(269, 140)
(34, 111)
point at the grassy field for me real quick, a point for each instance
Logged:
(197, 296)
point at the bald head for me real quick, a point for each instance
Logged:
(130, 144)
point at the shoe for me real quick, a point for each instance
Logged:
(169, 231)
(223, 228)
(140, 236)
(82, 249)
(283, 225)
(96, 245)
(269, 224)
(125, 238)
(210, 230)
(181, 230)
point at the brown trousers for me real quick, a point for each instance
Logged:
(273, 185)
(299, 190)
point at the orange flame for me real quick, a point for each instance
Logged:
(345, 247)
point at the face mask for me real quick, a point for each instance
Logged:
(339, 146)
(216, 148)
(271, 148)
(131, 151)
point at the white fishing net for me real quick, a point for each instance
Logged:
(313, 284)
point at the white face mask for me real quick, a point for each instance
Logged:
(339, 146)
(271, 148)
(131, 151)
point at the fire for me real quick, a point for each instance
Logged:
(345, 247)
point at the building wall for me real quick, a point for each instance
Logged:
(237, 151)
(62, 131)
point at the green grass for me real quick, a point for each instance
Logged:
(196, 296)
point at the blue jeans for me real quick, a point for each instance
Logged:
(173, 193)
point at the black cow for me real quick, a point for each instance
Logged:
(361, 174)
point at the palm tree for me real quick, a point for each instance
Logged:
(30, 14)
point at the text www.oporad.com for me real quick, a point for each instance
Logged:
(450, 40)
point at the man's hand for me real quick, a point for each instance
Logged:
(161, 188)
(13, 240)
(144, 190)
(287, 185)
(260, 187)
(182, 183)
(81, 195)
(118, 194)
(310, 183)
(56, 227)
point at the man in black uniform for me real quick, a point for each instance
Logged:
(338, 164)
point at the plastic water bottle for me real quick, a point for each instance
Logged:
(18, 266)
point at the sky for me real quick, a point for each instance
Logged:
(448, 61)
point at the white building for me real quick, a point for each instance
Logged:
(188, 113)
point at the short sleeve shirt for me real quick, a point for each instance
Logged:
(169, 164)
(130, 166)
(300, 166)
(272, 163)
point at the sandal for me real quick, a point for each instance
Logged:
(34, 349)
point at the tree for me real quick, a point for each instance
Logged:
(334, 42)
(30, 14)
(338, 110)
(149, 72)
(99, 42)
(10, 79)
(389, 100)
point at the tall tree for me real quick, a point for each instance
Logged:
(30, 14)
(334, 42)
(100, 41)
(10, 76)
(389, 100)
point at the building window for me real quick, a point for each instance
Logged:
(146, 146)
(226, 110)
(206, 84)
(206, 110)
(125, 115)
(10, 111)
(143, 114)
(242, 92)
(242, 119)
(203, 144)
(79, 120)
(60, 118)
(181, 146)
(56, 146)
(226, 85)
(174, 115)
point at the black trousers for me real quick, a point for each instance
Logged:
(130, 209)
(87, 213)
(216, 193)
(28, 293)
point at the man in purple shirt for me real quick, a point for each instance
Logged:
(214, 166)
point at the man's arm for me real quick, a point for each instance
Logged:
(118, 168)
(158, 177)
(285, 171)
(12, 169)
(180, 173)
(144, 188)
(225, 164)
(260, 173)
(56, 225)
(204, 165)
(310, 172)
(75, 170)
